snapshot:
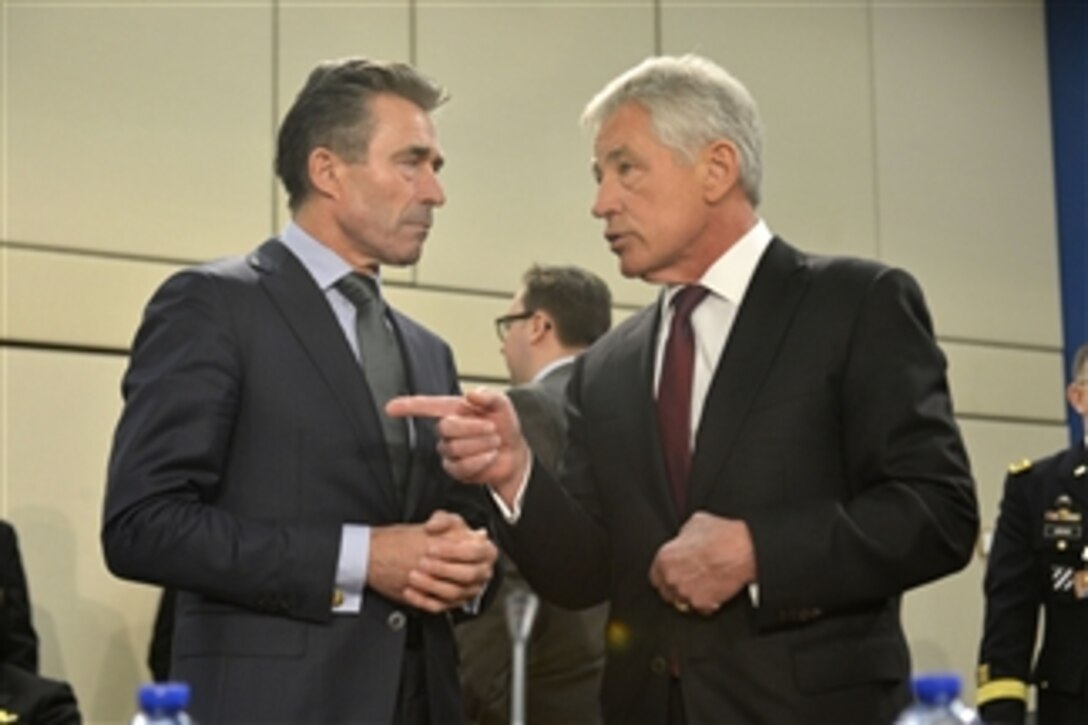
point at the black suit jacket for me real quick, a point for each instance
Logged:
(1038, 549)
(827, 428)
(248, 438)
(18, 640)
(34, 700)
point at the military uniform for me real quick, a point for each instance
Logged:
(1039, 558)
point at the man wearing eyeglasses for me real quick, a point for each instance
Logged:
(557, 314)
(1039, 558)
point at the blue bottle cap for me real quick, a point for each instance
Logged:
(937, 688)
(163, 697)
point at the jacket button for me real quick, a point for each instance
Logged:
(396, 621)
(659, 665)
(338, 598)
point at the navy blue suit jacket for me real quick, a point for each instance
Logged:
(248, 438)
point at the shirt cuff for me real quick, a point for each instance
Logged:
(512, 514)
(351, 569)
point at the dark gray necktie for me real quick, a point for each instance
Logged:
(382, 364)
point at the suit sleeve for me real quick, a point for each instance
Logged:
(168, 467)
(541, 418)
(1013, 587)
(571, 524)
(20, 645)
(906, 512)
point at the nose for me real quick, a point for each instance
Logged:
(431, 192)
(606, 202)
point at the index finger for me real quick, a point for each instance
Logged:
(427, 406)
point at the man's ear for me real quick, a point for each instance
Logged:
(720, 161)
(1077, 397)
(539, 325)
(323, 166)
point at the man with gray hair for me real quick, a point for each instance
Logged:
(758, 465)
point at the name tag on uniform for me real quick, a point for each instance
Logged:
(1061, 531)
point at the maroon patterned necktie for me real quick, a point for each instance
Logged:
(674, 392)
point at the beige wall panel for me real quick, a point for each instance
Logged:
(944, 619)
(313, 31)
(518, 178)
(94, 628)
(141, 127)
(5, 293)
(1003, 382)
(3, 119)
(78, 300)
(465, 321)
(808, 67)
(965, 166)
(994, 445)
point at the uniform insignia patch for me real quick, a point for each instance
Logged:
(1061, 578)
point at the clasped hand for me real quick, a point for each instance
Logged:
(434, 566)
(707, 564)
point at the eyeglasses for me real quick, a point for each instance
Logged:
(502, 324)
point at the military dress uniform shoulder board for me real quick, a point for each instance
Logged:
(1016, 467)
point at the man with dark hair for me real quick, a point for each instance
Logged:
(758, 465)
(1039, 560)
(315, 544)
(553, 318)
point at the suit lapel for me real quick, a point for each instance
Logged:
(307, 313)
(426, 374)
(633, 373)
(423, 438)
(762, 322)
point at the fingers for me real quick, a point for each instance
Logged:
(681, 582)
(426, 406)
(442, 521)
(438, 584)
(477, 402)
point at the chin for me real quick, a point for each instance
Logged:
(632, 271)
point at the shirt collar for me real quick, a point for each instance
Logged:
(728, 277)
(552, 366)
(323, 264)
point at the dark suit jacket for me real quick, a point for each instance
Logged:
(565, 656)
(35, 700)
(827, 428)
(18, 640)
(1038, 549)
(248, 437)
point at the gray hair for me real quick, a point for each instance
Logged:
(1080, 364)
(692, 102)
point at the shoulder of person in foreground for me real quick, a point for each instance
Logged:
(31, 698)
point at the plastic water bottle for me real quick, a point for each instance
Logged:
(162, 704)
(937, 702)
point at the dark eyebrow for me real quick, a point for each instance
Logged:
(421, 154)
